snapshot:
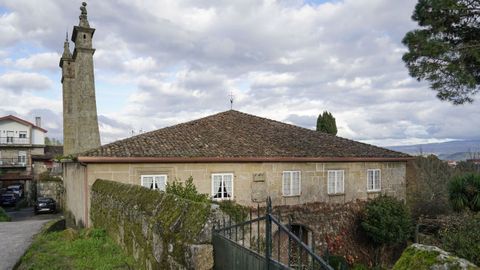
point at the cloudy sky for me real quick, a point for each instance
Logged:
(159, 63)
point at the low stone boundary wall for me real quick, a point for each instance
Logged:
(160, 230)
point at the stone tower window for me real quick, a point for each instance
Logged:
(84, 36)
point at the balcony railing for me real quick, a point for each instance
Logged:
(14, 140)
(13, 162)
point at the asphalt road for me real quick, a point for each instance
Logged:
(17, 235)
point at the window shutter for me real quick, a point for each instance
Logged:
(161, 182)
(217, 192)
(227, 182)
(286, 183)
(339, 186)
(331, 182)
(370, 180)
(147, 181)
(295, 183)
(377, 179)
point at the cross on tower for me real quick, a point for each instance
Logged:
(231, 100)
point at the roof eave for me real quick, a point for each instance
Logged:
(87, 159)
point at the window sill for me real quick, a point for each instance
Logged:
(290, 196)
(222, 199)
(374, 191)
(336, 194)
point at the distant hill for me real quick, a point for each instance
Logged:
(454, 150)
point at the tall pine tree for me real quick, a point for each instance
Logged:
(445, 51)
(326, 123)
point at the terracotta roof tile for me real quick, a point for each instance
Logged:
(236, 134)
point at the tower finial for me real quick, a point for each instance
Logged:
(66, 48)
(83, 16)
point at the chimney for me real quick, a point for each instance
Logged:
(38, 121)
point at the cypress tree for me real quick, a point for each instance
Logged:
(326, 123)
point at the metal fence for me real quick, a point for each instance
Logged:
(263, 242)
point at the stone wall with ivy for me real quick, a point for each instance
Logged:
(160, 230)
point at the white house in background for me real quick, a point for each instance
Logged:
(19, 140)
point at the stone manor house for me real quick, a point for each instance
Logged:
(230, 155)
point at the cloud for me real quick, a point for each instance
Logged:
(17, 82)
(175, 61)
(40, 61)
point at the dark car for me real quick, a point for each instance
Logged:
(8, 198)
(45, 205)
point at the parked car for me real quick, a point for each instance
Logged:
(8, 198)
(17, 189)
(45, 205)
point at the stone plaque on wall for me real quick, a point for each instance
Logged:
(259, 188)
(259, 177)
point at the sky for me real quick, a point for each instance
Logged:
(159, 63)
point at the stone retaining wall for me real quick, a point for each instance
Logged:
(51, 189)
(160, 230)
(332, 227)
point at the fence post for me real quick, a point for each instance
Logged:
(268, 234)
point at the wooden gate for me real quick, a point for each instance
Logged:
(250, 245)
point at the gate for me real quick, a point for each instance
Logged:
(263, 242)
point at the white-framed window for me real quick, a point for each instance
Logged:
(222, 186)
(158, 181)
(373, 180)
(291, 183)
(22, 157)
(22, 134)
(336, 180)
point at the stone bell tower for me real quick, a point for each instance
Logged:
(80, 121)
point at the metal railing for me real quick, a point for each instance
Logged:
(14, 140)
(13, 162)
(275, 242)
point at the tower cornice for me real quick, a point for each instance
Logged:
(77, 29)
(80, 49)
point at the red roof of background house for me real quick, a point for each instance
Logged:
(21, 121)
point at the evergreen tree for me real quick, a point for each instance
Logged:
(326, 123)
(446, 49)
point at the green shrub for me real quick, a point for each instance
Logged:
(386, 220)
(4, 216)
(187, 191)
(337, 262)
(463, 239)
(464, 192)
(237, 212)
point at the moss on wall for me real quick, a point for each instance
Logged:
(423, 257)
(155, 227)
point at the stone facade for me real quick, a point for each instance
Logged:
(252, 182)
(80, 122)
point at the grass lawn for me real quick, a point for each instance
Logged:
(70, 249)
(3, 215)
